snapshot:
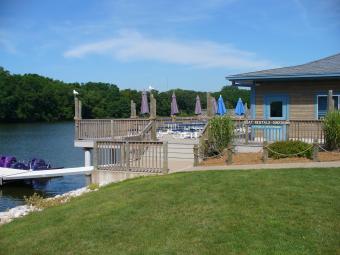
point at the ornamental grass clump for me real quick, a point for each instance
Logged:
(288, 149)
(39, 202)
(220, 134)
(332, 130)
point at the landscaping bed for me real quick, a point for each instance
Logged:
(294, 211)
(256, 158)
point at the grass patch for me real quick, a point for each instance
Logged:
(219, 212)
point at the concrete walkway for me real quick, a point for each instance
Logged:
(261, 166)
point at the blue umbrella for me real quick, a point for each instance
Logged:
(239, 110)
(221, 110)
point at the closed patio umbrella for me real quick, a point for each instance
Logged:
(144, 105)
(174, 107)
(239, 110)
(198, 108)
(221, 110)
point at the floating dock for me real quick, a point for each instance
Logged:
(10, 174)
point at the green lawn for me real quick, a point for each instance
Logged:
(218, 212)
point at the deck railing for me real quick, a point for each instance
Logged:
(94, 129)
(246, 131)
(258, 131)
(306, 130)
(162, 122)
(101, 129)
(132, 156)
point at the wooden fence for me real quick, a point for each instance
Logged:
(131, 156)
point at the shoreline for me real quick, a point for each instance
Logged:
(23, 210)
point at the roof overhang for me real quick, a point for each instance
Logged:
(247, 81)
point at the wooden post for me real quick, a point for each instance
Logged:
(112, 130)
(127, 156)
(153, 106)
(246, 131)
(165, 158)
(196, 159)
(229, 152)
(122, 155)
(153, 130)
(133, 110)
(153, 115)
(79, 110)
(209, 105)
(77, 129)
(76, 108)
(315, 155)
(206, 146)
(265, 152)
(287, 131)
(95, 155)
(330, 101)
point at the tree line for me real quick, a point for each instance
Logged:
(32, 97)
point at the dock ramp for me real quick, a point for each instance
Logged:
(9, 174)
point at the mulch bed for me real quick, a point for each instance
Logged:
(256, 158)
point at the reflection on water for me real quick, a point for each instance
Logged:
(51, 142)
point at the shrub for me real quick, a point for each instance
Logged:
(39, 202)
(332, 130)
(93, 186)
(220, 134)
(289, 148)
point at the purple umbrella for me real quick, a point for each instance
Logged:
(174, 107)
(214, 105)
(144, 105)
(198, 108)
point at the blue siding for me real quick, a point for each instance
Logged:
(253, 102)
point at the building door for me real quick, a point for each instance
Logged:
(276, 110)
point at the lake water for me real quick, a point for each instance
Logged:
(52, 142)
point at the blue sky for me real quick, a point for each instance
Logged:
(190, 44)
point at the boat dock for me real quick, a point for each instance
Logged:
(9, 174)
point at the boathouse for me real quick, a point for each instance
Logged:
(293, 93)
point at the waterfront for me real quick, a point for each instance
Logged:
(52, 142)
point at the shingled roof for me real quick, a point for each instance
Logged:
(323, 68)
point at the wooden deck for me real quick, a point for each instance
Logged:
(132, 145)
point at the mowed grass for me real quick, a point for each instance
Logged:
(217, 212)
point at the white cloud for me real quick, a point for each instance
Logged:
(132, 46)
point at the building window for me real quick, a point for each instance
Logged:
(276, 109)
(322, 104)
